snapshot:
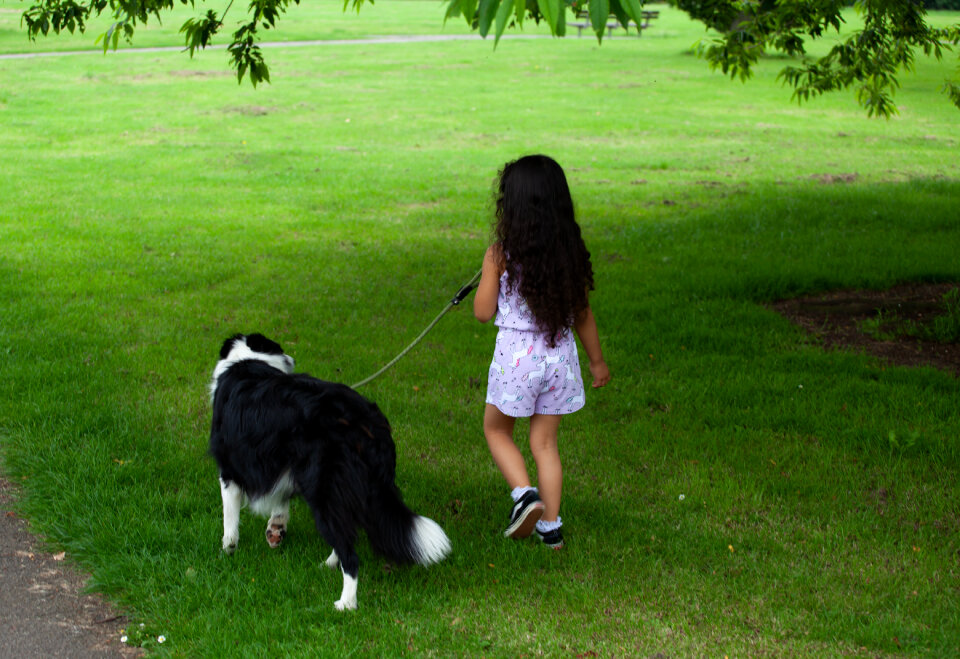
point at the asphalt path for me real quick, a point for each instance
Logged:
(44, 611)
(389, 39)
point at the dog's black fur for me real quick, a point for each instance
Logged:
(276, 433)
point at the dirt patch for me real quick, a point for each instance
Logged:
(201, 74)
(830, 179)
(837, 318)
(249, 110)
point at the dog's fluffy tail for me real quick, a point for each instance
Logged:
(399, 534)
(432, 544)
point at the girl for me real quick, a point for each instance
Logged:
(535, 280)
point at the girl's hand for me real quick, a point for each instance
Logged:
(600, 373)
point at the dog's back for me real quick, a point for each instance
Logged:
(266, 423)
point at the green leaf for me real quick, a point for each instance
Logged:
(506, 8)
(453, 9)
(617, 10)
(550, 10)
(952, 90)
(107, 36)
(520, 10)
(633, 10)
(488, 9)
(469, 10)
(599, 11)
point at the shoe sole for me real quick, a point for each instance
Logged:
(554, 544)
(526, 523)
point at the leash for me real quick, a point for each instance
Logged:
(457, 299)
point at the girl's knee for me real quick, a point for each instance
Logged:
(543, 444)
(544, 449)
(496, 422)
(543, 432)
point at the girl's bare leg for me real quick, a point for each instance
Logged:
(498, 429)
(543, 445)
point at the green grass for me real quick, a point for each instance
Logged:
(151, 206)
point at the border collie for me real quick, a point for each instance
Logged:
(276, 433)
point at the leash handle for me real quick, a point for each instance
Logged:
(465, 291)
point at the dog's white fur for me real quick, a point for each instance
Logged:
(240, 352)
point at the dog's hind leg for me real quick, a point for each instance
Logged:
(332, 506)
(333, 561)
(349, 563)
(341, 537)
(277, 526)
(232, 501)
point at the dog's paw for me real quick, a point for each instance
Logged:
(229, 544)
(275, 534)
(346, 604)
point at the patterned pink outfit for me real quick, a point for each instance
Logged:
(527, 376)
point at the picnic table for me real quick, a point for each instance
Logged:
(583, 22)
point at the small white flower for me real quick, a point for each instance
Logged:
(682, 497)
(142, 625)
(123, 639)
(161, 638)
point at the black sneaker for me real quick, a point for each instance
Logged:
(524, 516)
(552, 539)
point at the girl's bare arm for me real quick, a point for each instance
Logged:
(586, 328)
(485, 299)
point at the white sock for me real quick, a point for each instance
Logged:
(546, 527)
(520, 491)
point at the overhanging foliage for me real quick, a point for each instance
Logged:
(868, 59)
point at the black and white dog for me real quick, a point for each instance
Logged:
(277, 433)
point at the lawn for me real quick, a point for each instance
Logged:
(736, 490)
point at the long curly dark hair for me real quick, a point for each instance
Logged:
(541, 244)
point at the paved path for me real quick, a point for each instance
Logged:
(43, 612)
(413, 38)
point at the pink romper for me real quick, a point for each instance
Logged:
(527, 376)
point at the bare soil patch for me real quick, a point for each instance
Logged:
(836, 319)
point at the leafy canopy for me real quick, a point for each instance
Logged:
(867, 59)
